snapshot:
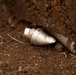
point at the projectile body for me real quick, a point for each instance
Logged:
(38, 37)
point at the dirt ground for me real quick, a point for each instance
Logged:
(17, 56)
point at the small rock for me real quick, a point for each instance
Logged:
(73, 72)
(36, 64)
(20, 68)
(39, 57)
(1, 43)
(12, 25)
(59, 47)
(34, 57)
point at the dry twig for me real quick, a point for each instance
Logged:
(16, 39)
(26, 69)
(16, 71)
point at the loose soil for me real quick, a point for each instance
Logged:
(22, 58)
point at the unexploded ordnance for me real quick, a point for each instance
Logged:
(38, 37)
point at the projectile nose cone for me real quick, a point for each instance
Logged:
(26, 31)
(38, 37)
(50, 40)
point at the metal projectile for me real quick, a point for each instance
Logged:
(38, 37)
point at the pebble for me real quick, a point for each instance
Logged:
(67, 71)
(63, 53)
(18, 36)
(1, 43)
(7, 62)
(36, 64)
(34, 57)
(8, 55)
(59, 47)
(60, 66)
(39, 57)
(20, 68)
(73, 72)
(12, 25)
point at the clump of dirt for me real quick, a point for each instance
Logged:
(20, 58)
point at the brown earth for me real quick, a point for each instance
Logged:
(21, 58)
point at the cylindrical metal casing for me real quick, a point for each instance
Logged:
(38, 37)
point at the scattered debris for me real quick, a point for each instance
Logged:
(25, 69)
(38, 37)
(73, 56)
(1, 43)
(59, 47)
(20, 68)
(63, 53)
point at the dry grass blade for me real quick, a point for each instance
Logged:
(15, 72)
(16, 39)
(26, 69)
